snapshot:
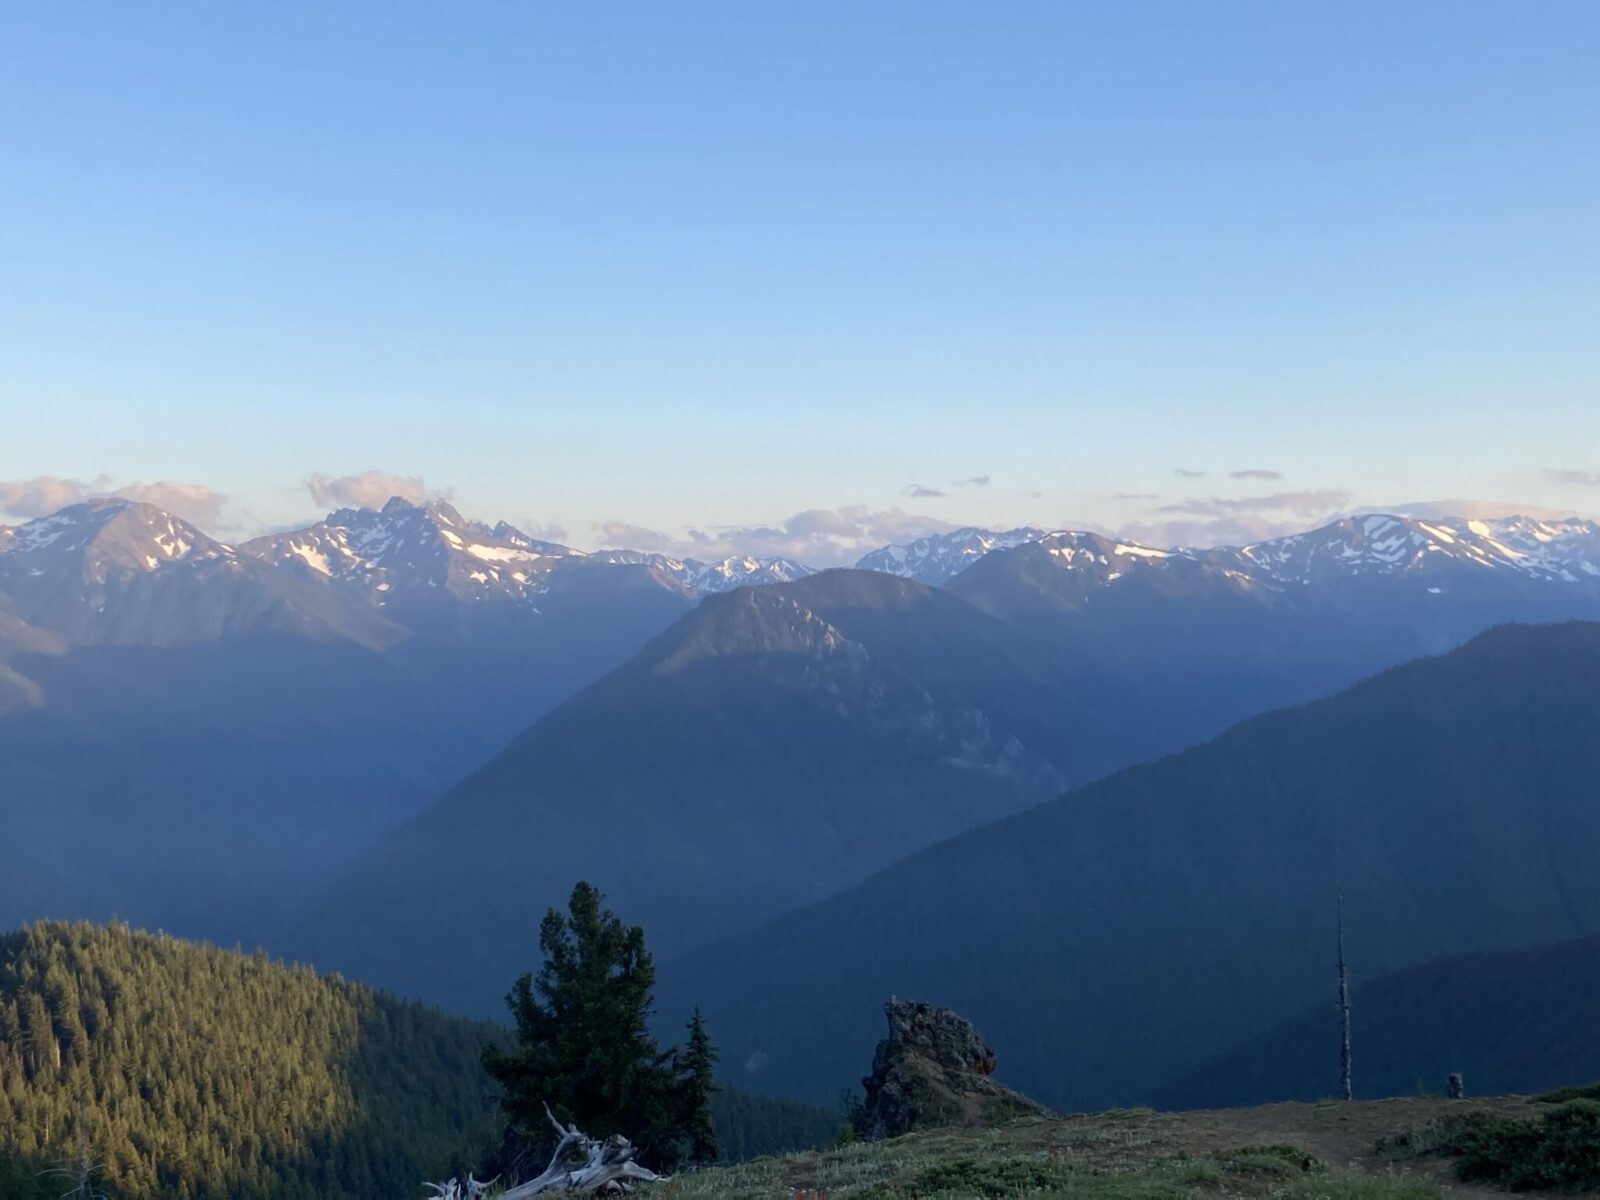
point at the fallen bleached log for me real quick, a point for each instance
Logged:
(581, 1165)
(578, 1165)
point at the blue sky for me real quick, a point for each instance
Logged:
(708, 266)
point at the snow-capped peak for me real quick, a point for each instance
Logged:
(722, 576)
(941, 556)
(106, 536)
(1367, 545)
(744, 571)
(407, 548)
(1384, 544)
(1072, 545)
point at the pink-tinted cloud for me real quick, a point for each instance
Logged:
(194, 502)
(45, 494)
(369, 489)
(1226, 522)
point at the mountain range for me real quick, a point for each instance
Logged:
(291, 738)
(198, 728)
(1566, 551)
(1218, 635)
(779, 746)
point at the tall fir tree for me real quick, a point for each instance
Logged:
(584, 1045)
(696, 1063)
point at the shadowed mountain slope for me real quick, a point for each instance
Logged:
(775, 745)
(1520, 1021)
(1114, 938)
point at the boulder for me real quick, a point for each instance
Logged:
(933, 1069)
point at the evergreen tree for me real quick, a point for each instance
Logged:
(584, 1044)
(695, 1064)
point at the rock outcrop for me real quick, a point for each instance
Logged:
(933, 1069)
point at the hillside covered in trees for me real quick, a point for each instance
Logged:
(191, 1071)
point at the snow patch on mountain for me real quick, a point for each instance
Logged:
(711, 578)
(407, 548)
(940, 557)
(1372, 546)
(1380, 544)
(99, 537)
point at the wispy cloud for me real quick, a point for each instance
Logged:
(369, 489)
(1183, 473)
(544, 532)
(1481, 510)
(626, 536)
(1255, 473)
(1297, 502)
(1218, 521)
(193, 502)
(1570, 476)
(972, 481)
(45, 494)
(819, 537)
(919, 491)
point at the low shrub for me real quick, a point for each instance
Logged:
(1558, 1152)
(1590, 1091)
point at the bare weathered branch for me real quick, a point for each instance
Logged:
(582, 1165)
(452, 1188)
(578, 1165)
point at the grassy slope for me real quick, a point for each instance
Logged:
(1281, 1150)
